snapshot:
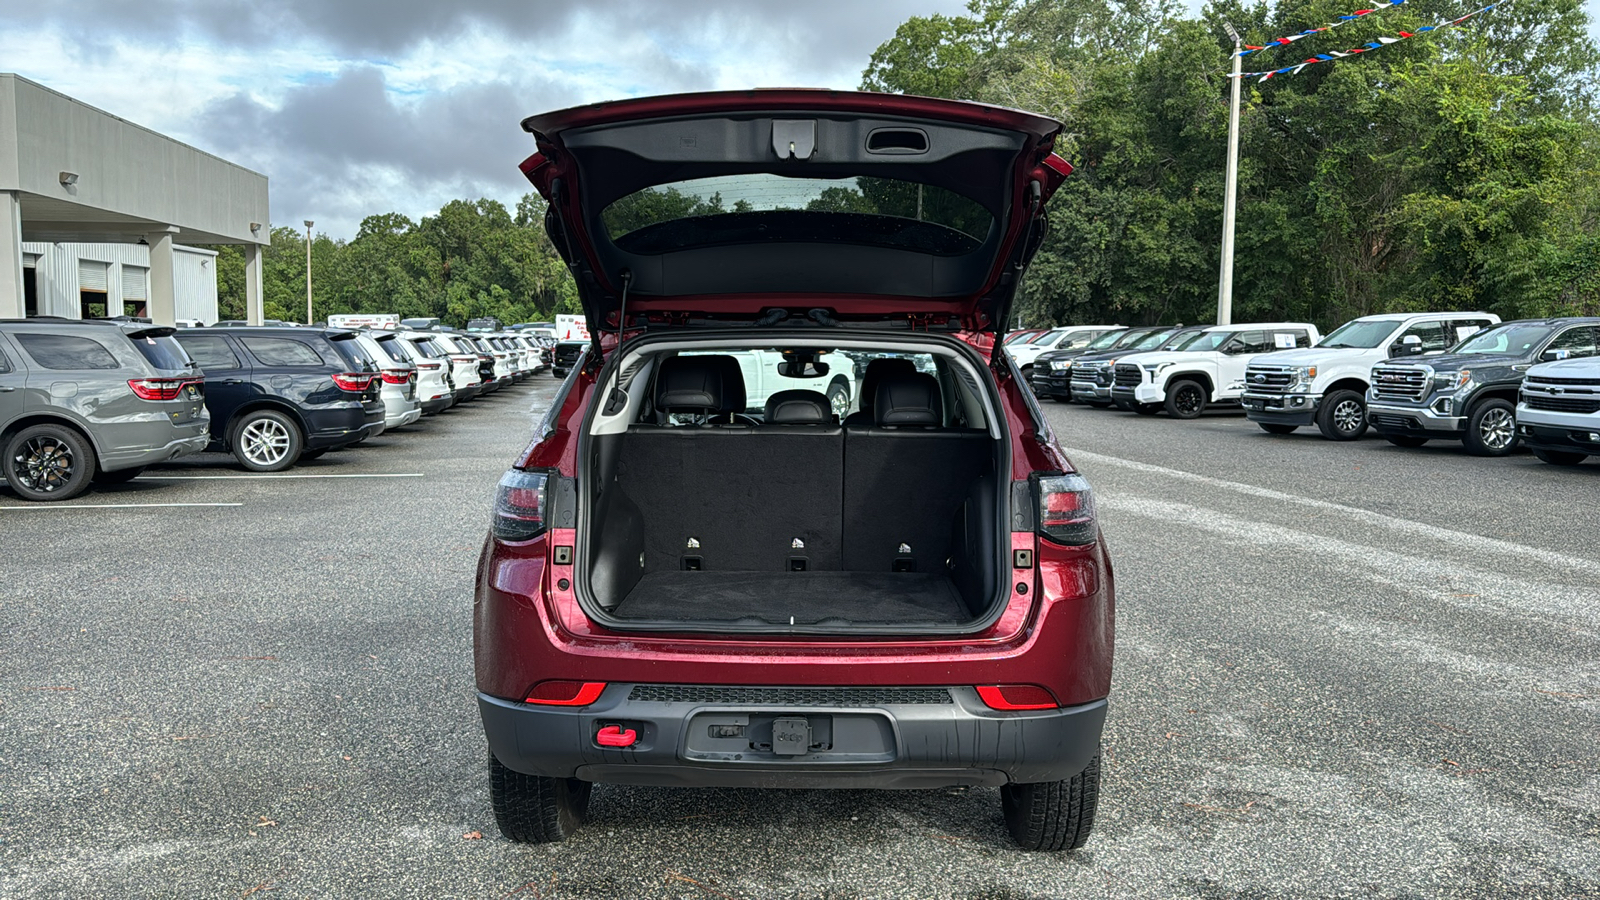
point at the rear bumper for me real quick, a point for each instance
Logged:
(340, 426)
(1281, 409)
(439, 404)
(894, 745)
(183, 444)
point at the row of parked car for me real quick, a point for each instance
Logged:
(1412, 377)
(96, 401)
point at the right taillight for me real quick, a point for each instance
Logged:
(1066, 510)
(519, 505)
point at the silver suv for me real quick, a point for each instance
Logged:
(93, 401)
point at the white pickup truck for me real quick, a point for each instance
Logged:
(1327, 385)
(762, 371)
(1205, 371)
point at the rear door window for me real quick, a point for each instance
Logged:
(281, 352)
(211, 351)
(1432, 335)
(163, 352)
(67, 352)
(5, 364)
(1576, 342)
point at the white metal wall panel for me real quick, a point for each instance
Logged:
(135, 283)
(194, 284)
(30, 260)
(57, 268)
(92, 276)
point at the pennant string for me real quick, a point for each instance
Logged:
(1333, 55)
(1285, 41)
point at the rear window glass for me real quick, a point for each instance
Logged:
(355, 354)
(162, 352)
(281, 352)
(428, 349)
(759, 207)
(210, 351)
(60, 351)
(394, 350)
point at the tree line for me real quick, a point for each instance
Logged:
(1456, 170)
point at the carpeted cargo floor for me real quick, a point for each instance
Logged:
(809, 597)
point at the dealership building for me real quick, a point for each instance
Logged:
(97, 214)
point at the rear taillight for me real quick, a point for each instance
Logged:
(1016, 696)
(566, 693)
(353, 381)
(430, 366)
(519, 505)
(396, 376)
(159, 388)
(1066, 510)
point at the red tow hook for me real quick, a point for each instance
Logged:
(615, 736)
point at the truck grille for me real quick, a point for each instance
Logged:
(1562, 404)
(1096, 373)
(1268, 379)
(1394, 383)
(1563, 382)
(787, 696)
(1128, 375)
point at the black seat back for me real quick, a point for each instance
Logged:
(798, 407)
(877, 370)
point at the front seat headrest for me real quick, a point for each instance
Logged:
(877, 370)
(703, 384)
(909, 400)
(798, 407)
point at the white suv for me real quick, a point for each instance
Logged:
(1208, 369)
(1327, 385)
(433, 371)
(1071, 337)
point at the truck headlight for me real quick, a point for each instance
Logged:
(1452, 381)
(1303, 376)
(1061, 365)
(1157, 368)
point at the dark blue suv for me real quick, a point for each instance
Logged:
(280, 395)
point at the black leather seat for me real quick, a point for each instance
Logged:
(798, 407)
(877, 370)
(904, 401)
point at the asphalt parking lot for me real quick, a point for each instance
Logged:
(1343, 670)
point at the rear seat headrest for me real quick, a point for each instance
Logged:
(798, 407)
(877, 370)
(707, 384)
(909, 400)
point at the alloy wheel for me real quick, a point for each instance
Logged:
(265, 442)
(1188, 400)
(1497, 429)
(1348, 415)
(45, 464)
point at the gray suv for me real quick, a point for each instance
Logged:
(93, 401)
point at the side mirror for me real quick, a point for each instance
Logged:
(1410, 345)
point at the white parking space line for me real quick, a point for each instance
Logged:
(47, 506)
(1354, 513)
(243, 477)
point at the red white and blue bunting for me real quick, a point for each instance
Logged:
(1333, 55)
(1286, 41)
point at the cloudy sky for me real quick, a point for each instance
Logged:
(356, 107)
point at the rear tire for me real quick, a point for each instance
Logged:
(1053, 815)
(120, 476)
(1185, 399)
(533, 809)
(48, 463)
(1405, 440)
(1343, 416)
(1491, 429)
(1276, 428)
(1559, 457)
(839, 400)
(266, 441)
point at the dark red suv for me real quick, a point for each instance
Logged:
(795, 521)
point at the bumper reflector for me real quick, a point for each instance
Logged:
(566, 693)
(1016, 696)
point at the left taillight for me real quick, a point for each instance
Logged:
(354, 381)
(159, 388)
(396, 376)
(1066, 510)
(520, 502)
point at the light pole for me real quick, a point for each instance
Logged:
(1230, 204)
(309, 223)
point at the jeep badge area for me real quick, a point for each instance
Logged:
(92, 402)
(1559, 413)
(1327, 385)
(1091, 373)
(1470, 393)
(685, 587)
(1052, 370)
(1207, 370)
